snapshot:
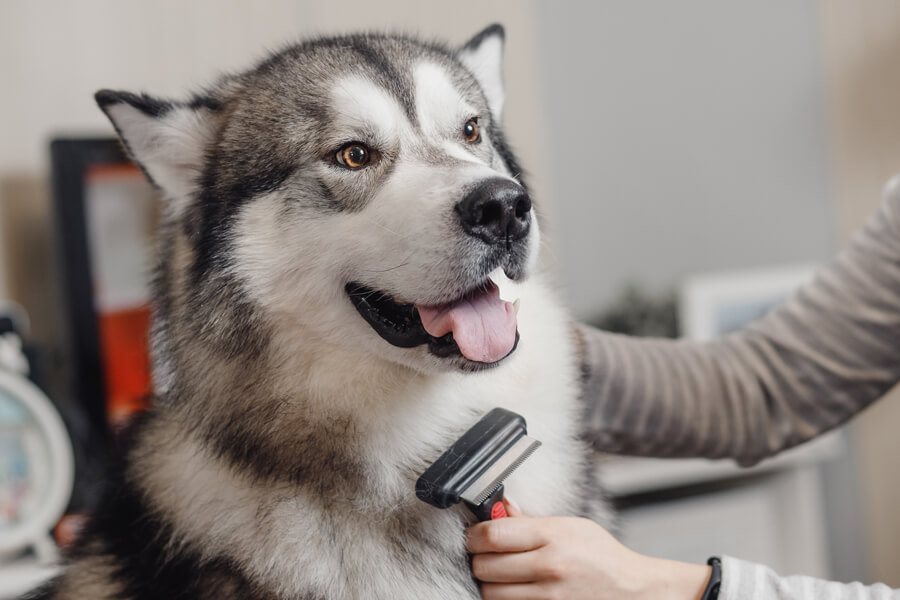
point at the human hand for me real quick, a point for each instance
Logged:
(564, 557)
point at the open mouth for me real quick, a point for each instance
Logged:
(479, 326)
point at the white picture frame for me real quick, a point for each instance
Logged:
(714, 304)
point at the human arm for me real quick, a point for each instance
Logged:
(563, 557)
(806, 367)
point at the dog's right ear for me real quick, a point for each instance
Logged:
(166, 139)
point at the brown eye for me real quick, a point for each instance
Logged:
(353, 156)
(471, 132)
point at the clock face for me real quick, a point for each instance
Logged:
(26, 470)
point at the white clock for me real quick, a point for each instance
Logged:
(36, 466)
(36, 476)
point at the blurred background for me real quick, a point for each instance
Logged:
(694, 162)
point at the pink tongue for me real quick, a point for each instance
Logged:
(483, 326)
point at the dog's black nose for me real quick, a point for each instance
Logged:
(498, 211)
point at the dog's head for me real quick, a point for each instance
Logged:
(356, 190)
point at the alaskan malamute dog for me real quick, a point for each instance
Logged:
(344, 235)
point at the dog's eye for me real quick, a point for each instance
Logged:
(353, 155)
(471, 133)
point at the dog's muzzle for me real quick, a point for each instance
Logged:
(497, 211)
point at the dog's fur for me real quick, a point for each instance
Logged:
(280, 455)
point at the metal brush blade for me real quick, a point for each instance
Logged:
(488, 482)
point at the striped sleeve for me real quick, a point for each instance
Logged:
(743, 580)
(806, 367)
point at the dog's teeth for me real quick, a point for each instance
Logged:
(516, 305)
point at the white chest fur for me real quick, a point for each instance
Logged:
(382, 542)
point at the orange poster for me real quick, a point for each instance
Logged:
(121, 212)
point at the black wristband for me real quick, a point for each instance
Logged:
(715, 580)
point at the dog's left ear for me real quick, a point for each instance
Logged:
(166, 139)
(483, 56)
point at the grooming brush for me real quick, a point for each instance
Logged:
(474, 468)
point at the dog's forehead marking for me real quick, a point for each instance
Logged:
(455, 150)
(439, 105)
(361, 104)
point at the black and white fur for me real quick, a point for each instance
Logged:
(280, 456)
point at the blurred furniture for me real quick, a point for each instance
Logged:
(690, 509)
(105, 213)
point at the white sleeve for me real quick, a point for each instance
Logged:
(742, 580)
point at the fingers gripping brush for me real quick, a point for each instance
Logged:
(474, 467)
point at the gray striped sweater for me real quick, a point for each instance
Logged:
(805, 368)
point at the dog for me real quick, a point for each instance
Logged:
(346, 282)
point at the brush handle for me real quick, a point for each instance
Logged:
(492, 508)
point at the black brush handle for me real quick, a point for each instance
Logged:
(486, 442)
(490, 509)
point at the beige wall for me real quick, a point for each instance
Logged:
(55, 54)
(862, 50)
(683, 134)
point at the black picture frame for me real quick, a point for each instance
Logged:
(70, 160)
